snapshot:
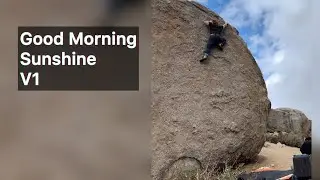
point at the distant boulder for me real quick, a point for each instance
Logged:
(288, 126)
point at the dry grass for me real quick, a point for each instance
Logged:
(229, 173)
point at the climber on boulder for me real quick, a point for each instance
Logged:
(215, 38)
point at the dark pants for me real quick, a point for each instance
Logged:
(213, 41)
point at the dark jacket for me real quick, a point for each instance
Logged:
(215, 29)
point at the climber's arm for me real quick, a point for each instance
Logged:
(207, 22)
(225, 25)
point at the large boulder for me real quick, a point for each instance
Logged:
(288, 126)
(203, 114)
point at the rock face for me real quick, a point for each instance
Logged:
(203, 114)
(288, 126)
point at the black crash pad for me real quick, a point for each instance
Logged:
(264, 175)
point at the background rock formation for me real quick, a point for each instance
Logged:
(288, 126)
(203, 114)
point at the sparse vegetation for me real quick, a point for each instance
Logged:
(228, 173)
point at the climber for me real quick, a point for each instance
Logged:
(215, 38)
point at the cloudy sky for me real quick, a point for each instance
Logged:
(284, 37)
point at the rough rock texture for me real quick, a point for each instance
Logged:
(288, 126)
(210, 113)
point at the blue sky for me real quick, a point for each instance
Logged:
(284, 39)
(246, 32)
(219, 6)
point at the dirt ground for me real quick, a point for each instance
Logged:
(277, 156)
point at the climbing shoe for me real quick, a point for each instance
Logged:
(220, 46)
(204, 57)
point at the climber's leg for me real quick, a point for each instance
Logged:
(210, 44)
(222, 43)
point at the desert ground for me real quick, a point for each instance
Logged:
(277, 156)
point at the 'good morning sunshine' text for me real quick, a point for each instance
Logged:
(114, 39)
(74, 39)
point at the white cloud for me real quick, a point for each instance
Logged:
(278, 57)
(273, 80)
(288, 48)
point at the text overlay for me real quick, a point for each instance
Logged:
(78, 58)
